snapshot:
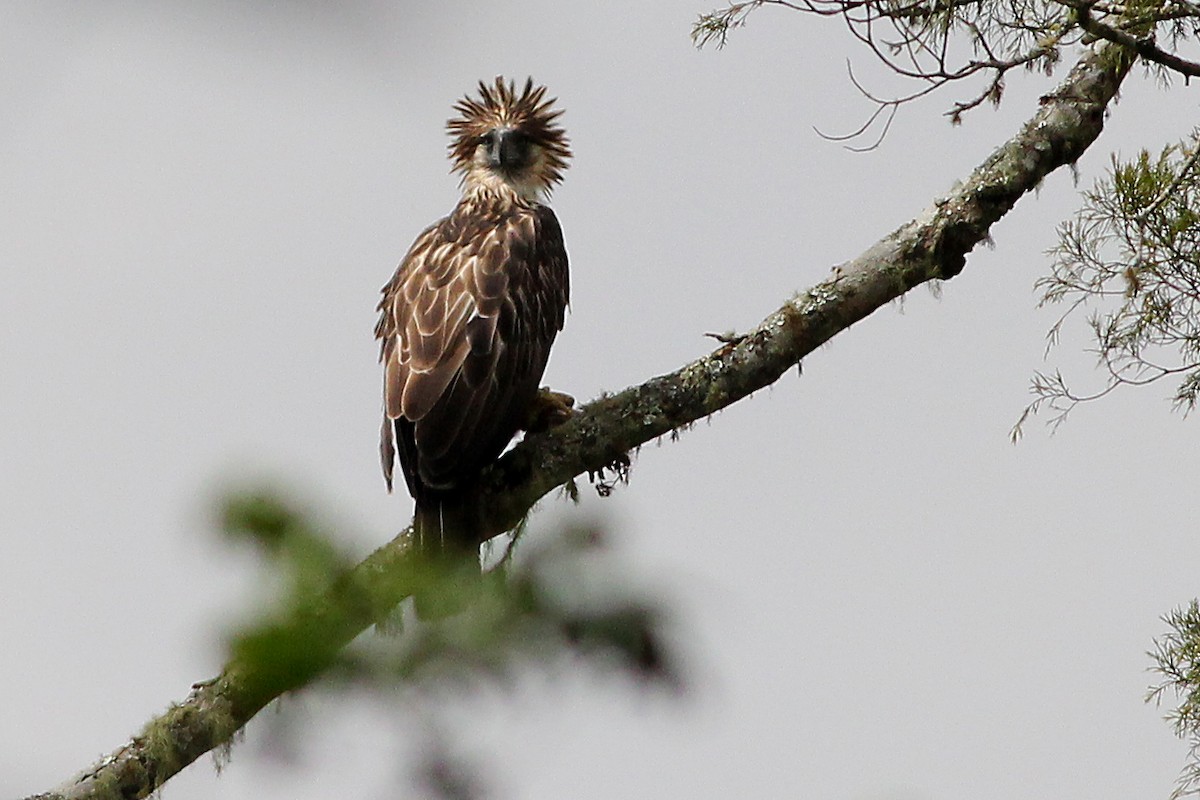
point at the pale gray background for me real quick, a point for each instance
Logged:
(881, 597)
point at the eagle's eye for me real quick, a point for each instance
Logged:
(520, 139)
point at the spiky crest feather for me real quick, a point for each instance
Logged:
(499, 106)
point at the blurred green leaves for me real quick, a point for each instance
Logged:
(536, 613)
(301, 634)
(565, 601)
(304, 557)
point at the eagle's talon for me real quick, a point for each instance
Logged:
(548, 410)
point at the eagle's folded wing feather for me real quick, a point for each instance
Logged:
(467, 332)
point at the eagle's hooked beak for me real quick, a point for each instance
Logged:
(507, 149)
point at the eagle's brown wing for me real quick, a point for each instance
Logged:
(466, 326)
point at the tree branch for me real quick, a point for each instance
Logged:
(932, 246)
(1144, 46)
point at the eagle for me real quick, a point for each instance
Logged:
(467, 321)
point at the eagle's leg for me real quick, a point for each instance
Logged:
(548, 409)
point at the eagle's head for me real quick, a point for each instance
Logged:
(508, 142)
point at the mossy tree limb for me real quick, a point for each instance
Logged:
(933, 246)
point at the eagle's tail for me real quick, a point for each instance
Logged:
(445, 538)
(445, 532)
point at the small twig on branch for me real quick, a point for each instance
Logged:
(725, 338)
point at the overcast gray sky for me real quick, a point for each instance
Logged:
(881, 597)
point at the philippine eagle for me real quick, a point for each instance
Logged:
(466, 323)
